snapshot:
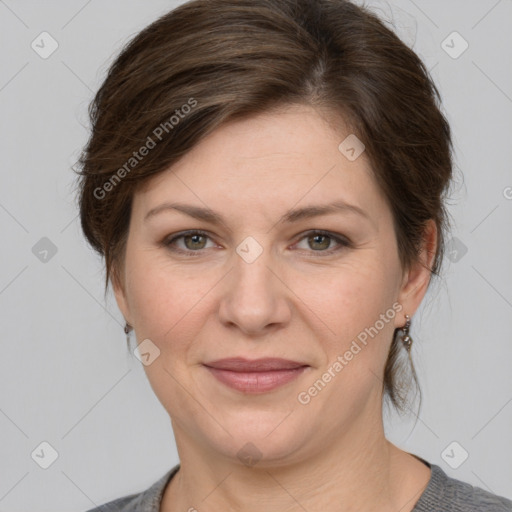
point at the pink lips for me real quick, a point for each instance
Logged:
(255, 376)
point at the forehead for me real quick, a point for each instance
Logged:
(269, 162)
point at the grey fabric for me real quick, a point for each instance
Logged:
(446, 494)
(443, 494)
(146, 501)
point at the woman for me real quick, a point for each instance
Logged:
(266, 182)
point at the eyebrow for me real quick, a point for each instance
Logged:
(293, 215)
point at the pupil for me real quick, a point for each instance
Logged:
(195, 240)
(325, 239)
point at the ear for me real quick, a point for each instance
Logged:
(417, 277)
(119, 289)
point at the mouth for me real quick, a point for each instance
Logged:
(255, 376)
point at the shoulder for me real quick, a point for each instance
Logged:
(145, 501)
(446, 494)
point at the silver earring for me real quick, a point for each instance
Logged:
(406, 339)
(127, 329)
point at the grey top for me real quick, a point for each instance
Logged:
(443, 494)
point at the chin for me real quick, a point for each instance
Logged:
(265, 438)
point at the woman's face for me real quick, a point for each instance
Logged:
(261, 283)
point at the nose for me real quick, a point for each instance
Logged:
(256, 299)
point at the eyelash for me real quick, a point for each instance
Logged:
(343, 242)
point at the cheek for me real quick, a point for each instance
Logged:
(351, 294)
(348, 304)
(169, 308)
(168, 302)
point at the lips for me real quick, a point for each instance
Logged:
(239, 364)
(255, 376)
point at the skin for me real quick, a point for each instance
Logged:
(304, 299)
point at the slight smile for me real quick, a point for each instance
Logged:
(257, 375)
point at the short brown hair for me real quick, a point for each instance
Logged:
(231, 59)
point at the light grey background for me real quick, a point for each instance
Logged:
(66, 376)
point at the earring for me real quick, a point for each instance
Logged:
(406, 339)
(127, 330)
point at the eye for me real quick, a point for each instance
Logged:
(322, 241)
(193, 241)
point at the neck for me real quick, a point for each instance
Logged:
(359, 470)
